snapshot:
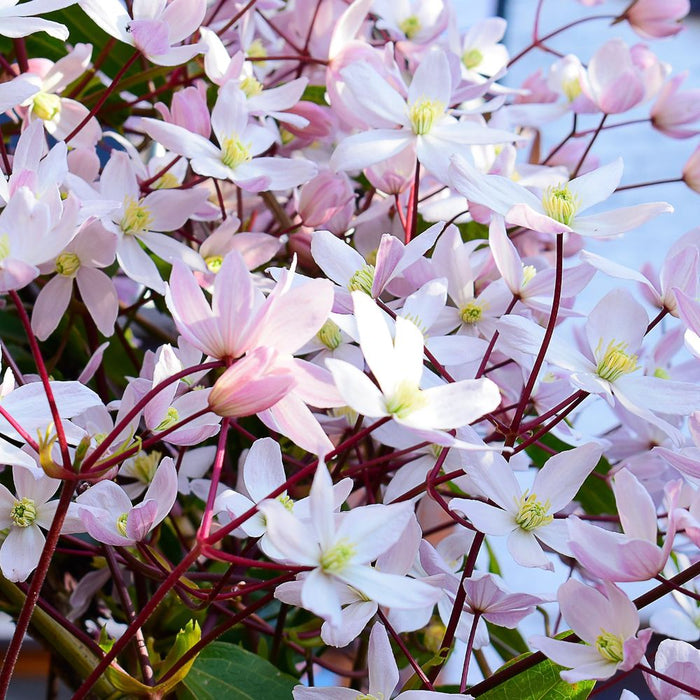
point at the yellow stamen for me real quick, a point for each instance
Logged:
(560, 204)
(532, 513)
(137, 218)
(472, 58)
(406, 399)
(615, 361)
(233, 152)
(337, 558)
(362, 280)
(471, 313)
(67, 264)
(610, 647)
(46, 106)
(23, 513)
(423, 113)
(410, 26)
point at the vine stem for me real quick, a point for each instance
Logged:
(549, 332)
(38, 578)
(468, 653)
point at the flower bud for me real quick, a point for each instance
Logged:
(325, 196)
(654, 19)
(254, 383)
(189, 110)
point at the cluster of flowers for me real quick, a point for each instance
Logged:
(336, 283)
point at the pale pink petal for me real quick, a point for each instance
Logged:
(525, 549)
(357, 389)
(597, 185)
(262, 470)
(567, 653)
(20, 552)
(528, 217)
(183, 17)
(141, 520)
(485, 518)
(170, 209)
(383, 672)
(276, 173)
(369, 147)
(337, 259)
(294, 539)
(100, 297)
(50, 305)
(390, 589)
(613, 223)
(374, 93)
(136, 264)
(179, 140)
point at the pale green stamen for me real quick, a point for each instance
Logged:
(137, 218)
(472, 58)
(4, 246)
(171, 417)
(615, 361)
(121, 524)
(571, 89)
(529, 272)
(471, 313)
(406, 399)
(330, 335)
(251, 86)
(23, 513)
(410, 26)
(286, 501)
(423, 113)
(46, 106)
(560, 204)
(214, 263)
(145, 465)
(338, 557)
(362, 280)
(233, 152)
(610, 647)
(532, 513)
(67, 264)
(661, 373)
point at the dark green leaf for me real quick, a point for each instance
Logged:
(541, 682)
(227, 671)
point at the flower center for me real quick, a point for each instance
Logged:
(571, 88)
(362, 280)
(286, 501)
(167, 182)
(171, 417)
(410, 26)
(560, 204)
(145, 465)
(23, 512)
(67, 264)
(471, 313)
(233, 152)
(121, 524)
(136, 219)
(423, 113)
(472, 58)
(615, 361)
(214, 263)
(257, 50)
(337, 557)
(416, 321)
(4, 246)
(46, 106)
(330, 335)
(251, 86)
(610, 647)
(532, 513)
(529, 272)
(406, 399)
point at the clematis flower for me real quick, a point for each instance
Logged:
(655, 19)
(154, 27)
(558, 211)
(110, 517)
(236, 158)
(614, 331)
(342, 548)
(527, 517)
(18, 20)
(397, 365)
(383, 677)
(675, 111)
(677, 660)
(422, 120)
(23, 515)
(634, 555)
(607, 621)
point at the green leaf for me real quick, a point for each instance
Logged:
(228, 671)
(541, 682)
(315, 94)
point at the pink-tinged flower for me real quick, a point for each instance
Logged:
(110, 517)
(634, 555)
(607, 622)
(32, 234)
(143, 220)
(23, 515)
(18, 20)
(675, 111)
(416, 21)
(252, 384)
(236, 158)
(677, 660)
(154, 27)
(60, 115)
(528, 516)
(239, 317)
(383, 677)
(340, 547)
(15, 91)
(613, 82)
(487, 596)
(327, 200)
(480, 51)
(80, 262)
(422, 120)
(691, 171)
(397, 365)
(655, 19)
(188, 109)
(614, 332)
(559, 208)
